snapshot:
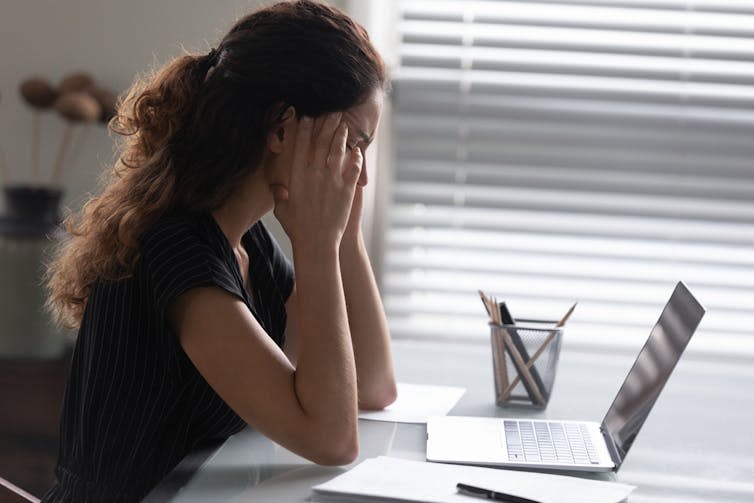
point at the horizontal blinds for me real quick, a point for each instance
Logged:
(561, 151)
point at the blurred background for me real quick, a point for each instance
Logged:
(546, 152)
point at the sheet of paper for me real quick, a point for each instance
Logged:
(386, 478)
(416, 403)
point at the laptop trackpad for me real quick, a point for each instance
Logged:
(474, 440)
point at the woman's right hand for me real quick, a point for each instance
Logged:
(314, 209)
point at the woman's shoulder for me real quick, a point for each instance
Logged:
(180, 237)
(183, 232)
(172, 225)
(184, 250)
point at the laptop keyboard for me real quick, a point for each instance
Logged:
(549, 442)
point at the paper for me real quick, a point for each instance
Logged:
(402, 480)
(416, 403)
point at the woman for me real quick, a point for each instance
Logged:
(190, 322)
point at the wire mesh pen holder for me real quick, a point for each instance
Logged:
(524, 361)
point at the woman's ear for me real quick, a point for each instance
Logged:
(283, 131)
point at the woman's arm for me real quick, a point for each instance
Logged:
(366, 316)
(310, 409)
(253, 376)
(369, 332)
(366, 319)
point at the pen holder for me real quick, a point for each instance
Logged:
(524, 361)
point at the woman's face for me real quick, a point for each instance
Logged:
(362, 121)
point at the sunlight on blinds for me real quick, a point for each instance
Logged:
(558, 151)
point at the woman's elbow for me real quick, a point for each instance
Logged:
(343, 452)
(380, 398)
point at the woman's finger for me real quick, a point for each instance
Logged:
(353, 167)
(338, 148)
(324, 139)
(301, 146)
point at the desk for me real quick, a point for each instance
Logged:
(706, 407)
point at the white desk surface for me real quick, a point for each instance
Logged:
(696, 446)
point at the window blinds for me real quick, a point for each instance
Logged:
(561, 151)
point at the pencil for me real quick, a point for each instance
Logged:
(484, 301)
(567, 315)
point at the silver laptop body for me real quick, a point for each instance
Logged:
(575, 445)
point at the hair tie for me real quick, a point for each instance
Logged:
(212, 57)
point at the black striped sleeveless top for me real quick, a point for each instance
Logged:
(134, 403)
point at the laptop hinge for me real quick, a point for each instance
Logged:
(611, 447)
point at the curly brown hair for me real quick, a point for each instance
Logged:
(191, 131)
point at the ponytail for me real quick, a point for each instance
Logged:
(103, 239)
(156, 107)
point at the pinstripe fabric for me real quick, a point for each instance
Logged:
(135, 404)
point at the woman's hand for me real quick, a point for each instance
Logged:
(315, 209)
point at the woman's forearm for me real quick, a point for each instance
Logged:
(369, 330)
(325, 377)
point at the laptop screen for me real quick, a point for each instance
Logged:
(652, 368)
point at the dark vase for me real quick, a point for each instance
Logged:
(30, 211)
(27, 231)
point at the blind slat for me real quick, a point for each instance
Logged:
(412, 98)
(618, 18)
(534, 153)
(694, 231)
(569, 62)
(580, 39)
(557, 266)
(462, 127)
(607, 203)
(587, 247)
(735, 149)
(695, 93)
(717, 299)
(550, 177)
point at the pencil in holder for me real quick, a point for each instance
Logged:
(524, 362)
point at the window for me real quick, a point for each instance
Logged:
(591, 151)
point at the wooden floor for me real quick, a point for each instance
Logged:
(31, 395)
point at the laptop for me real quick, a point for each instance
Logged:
(575, 445)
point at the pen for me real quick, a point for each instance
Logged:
(505, 315)
(491, 495)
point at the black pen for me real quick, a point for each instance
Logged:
(491, 495)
